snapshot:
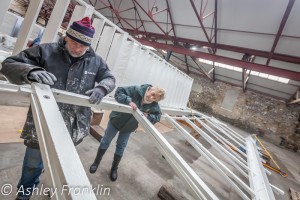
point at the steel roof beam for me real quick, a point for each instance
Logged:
(190, 66)
(206, 73)
(245, 78)
(199, 69)
(245, 75)
(200, 20)
(187, 65)
(171, 19)
(216, 30)
(264, 54)
(229, 61)
(117, 13)
(137, 12)
(281, 27)
(160, 28)
(225, 29)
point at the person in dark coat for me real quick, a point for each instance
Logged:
(144, 97)
(70, 65)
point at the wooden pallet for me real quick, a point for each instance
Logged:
(295, 195)
(97, 132)
(168, 192)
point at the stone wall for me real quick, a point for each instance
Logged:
(255, 113)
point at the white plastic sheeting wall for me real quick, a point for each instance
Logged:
(133, 64)
(10, 26)
(105, 41)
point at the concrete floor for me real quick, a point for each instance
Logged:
(143, 171)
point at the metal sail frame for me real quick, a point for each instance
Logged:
(57, 147)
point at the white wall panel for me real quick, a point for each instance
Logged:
(267, 91)
(9, 23)
(150, 69)
(138, 67)
(131, 71)
(172, 94)
(118, 57)
(98, 25)
(294, 83)
(4, 7)
(228, 80)
(244, 39)
(254, 16)
(287, 45)
(124, 61)
(105, 41)
(27, 25)
(156, 71)
(189, 84)
(272, 85)
(180, 92)
(114, 51)
(145, 67)
(285, 65)
(174, 85)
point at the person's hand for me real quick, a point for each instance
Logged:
(133, 105)
(42, 76)
(97, 95)
(146, 114)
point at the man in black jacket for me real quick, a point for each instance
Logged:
(69, 65)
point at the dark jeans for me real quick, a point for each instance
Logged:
(31, 171)
(109, 135)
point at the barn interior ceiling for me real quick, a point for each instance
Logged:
(254, 38)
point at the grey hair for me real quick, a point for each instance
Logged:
(160, 91)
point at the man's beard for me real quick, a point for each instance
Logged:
(147, 102)
(75, 55)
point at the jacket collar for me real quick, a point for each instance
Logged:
(143, 89)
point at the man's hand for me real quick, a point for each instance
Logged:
(42, 76)
(97, 95)
(133, 105)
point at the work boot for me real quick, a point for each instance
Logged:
(114, 168)
(97, 160)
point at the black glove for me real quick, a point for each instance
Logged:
(97, 95)
(42, 76)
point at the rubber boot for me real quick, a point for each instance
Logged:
(114, 168)
(97, 160)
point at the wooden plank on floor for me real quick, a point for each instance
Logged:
(97, 132)
(11, 123)
(167, 192)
